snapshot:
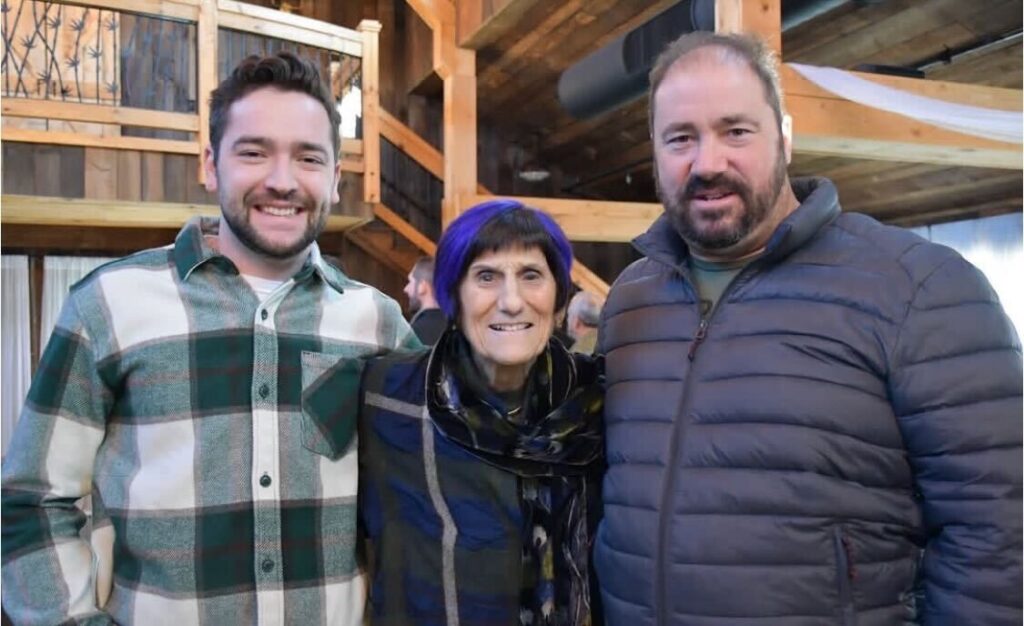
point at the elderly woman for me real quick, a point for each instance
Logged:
(481, 458)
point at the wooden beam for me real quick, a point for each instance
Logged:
(87, 213)
(352, 164)
(406, 140)
(77, 112)
(588, 280)
(794, 84)
(36, 277)
(62, 138)
(187, 10)
(404, 229)
(460, 166)
(351, 146)
(758, 17)
(590, 220)
(370, 30)
(289, 26)
(433, 12)
(206, 52)
(826, 124)
(439, 15)
(481, 23)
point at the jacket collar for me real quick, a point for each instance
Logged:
(819, 205)
(192, 251)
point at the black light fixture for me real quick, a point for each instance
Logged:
(532, 170)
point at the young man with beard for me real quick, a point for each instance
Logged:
(837, 431)
(204, 395)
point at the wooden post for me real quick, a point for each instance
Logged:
(756, 17)
(35, 308)
(207, 54)
(370, 30)
(460, 168)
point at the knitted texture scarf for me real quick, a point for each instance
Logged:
(553, 442)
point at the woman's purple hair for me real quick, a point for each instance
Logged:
(498, 225)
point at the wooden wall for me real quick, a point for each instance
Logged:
(102, 174)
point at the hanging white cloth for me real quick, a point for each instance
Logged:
(15, 337)
(59, 274)
(992, 124)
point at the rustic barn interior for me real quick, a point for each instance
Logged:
(454, 100)
(447, 102)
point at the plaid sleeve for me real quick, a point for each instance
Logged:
(397, 334)
(47, 568)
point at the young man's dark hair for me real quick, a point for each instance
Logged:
(284, 71)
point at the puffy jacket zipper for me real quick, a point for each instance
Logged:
(698, 337)
(845, 574)
(682, 414)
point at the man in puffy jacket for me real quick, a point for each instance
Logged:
(812, 418)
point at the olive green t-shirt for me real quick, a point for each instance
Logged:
(712, 278)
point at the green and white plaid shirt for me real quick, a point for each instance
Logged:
(198, 419)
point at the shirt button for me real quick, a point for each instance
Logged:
(264, 391)
(265, 480)
(264, 315)
(267, 565)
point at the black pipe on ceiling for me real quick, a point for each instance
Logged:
(617, 73)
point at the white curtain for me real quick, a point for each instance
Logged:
(978, 121)
(14, 335)
(59, 274)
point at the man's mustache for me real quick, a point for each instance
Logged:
(719, 183)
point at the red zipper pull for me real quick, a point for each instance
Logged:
(702, 332)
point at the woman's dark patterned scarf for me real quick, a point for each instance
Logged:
(554, 443)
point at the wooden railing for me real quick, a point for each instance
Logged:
(207, 17)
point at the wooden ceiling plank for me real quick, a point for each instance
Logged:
(908, 53)
(803, 43)
(971, 191)
(500, 71)
(564, 135)
(483, 22)
(1010, 204)
(997, 68)
(912, 22)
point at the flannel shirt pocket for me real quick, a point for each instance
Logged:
(330, 402)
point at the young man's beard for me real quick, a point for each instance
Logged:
(757, 205)
(243, 230)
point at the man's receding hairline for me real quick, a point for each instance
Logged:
(716, 52)
(711, 52)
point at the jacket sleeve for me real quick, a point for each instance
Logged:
(48, 569)
(955, 385)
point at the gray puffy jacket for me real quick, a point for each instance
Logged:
(839, 444)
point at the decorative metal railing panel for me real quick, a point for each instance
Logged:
(135, 75)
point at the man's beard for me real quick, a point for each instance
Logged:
(415, 304)
(756, 206)
(238, 221)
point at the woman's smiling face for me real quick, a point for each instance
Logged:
(507, 312)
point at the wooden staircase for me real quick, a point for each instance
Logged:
(395, 242)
